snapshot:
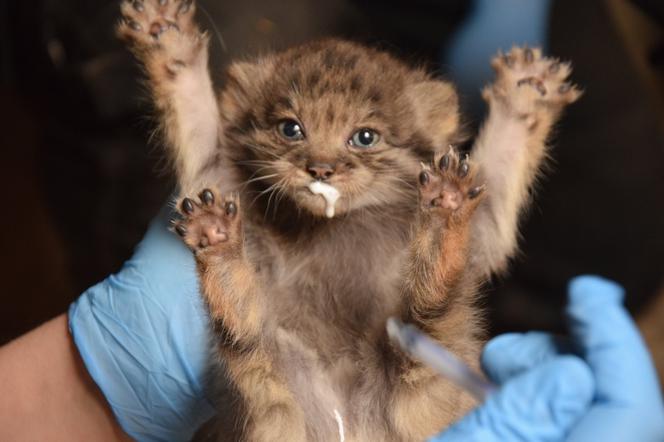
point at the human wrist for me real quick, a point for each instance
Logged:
(48, 394)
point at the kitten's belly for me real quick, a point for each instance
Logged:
(325, 388)
(327, 342)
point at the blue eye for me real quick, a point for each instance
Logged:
(364, 138)
(291, 130)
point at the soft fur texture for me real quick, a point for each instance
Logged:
(299, 301)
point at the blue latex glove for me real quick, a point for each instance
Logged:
(143, 336)
(491, 25)
(626, 400)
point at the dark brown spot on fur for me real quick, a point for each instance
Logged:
(348, 62)
(420, 146)
(247, 122)
(330, 114)
(314, 79)
(355, 84)
(228, 341)
(375, 95)
(378, 114)
(329, 59)
(283, 103)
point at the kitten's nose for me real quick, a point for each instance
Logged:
(320, 171)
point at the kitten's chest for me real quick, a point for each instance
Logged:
(340, 279)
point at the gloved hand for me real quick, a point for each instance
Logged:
(544, 394)
(143, 336)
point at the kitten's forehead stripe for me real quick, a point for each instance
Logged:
(355, 83)
(375, 95)
(330, 114)
(314, 79)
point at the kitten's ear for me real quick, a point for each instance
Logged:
(436, 107)
(243, 83)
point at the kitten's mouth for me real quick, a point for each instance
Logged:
(329, 193)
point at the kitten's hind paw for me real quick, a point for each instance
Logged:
(144, 21)
(162, 31)
(447, 187)
(209, 223)
(528, 83)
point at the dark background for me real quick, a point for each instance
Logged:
(82, 180)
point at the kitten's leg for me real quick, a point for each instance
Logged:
(212, 228)
(163, 36)
(439, 294)
(524, 102)
(449, 196)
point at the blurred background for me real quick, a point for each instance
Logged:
(82, 179)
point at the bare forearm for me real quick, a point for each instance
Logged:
(47, 393)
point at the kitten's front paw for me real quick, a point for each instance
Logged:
(164, 29)
(210, 223)
(448, 187)
(528, 83)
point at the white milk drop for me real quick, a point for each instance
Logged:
(328, 192)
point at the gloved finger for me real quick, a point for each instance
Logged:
(628, 403)
(539, 405)
(609, 341)
(511, 354)
(161, 248)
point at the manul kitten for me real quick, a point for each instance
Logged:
(321, 193)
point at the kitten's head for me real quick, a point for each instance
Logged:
(352, 117)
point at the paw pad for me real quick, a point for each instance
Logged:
(208, 221)
(144, 21)
(448, 183)
(447, 186)
(527, 81)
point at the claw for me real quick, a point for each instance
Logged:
(184, 7)
(138, 6)
(135, 26)
(528, 55)
(424, 178)
(555, 67)
(187, 206)
(181, 230)
(231, 208)
(564, 88)
(444, 162)
(476, 191)
(207, 197)
(464, 168)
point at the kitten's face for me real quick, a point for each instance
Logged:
(337, 113)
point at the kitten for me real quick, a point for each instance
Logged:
(299, 285)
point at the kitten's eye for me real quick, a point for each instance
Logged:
(364, 138)
(291, 130)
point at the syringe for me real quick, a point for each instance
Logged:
(421, 347)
